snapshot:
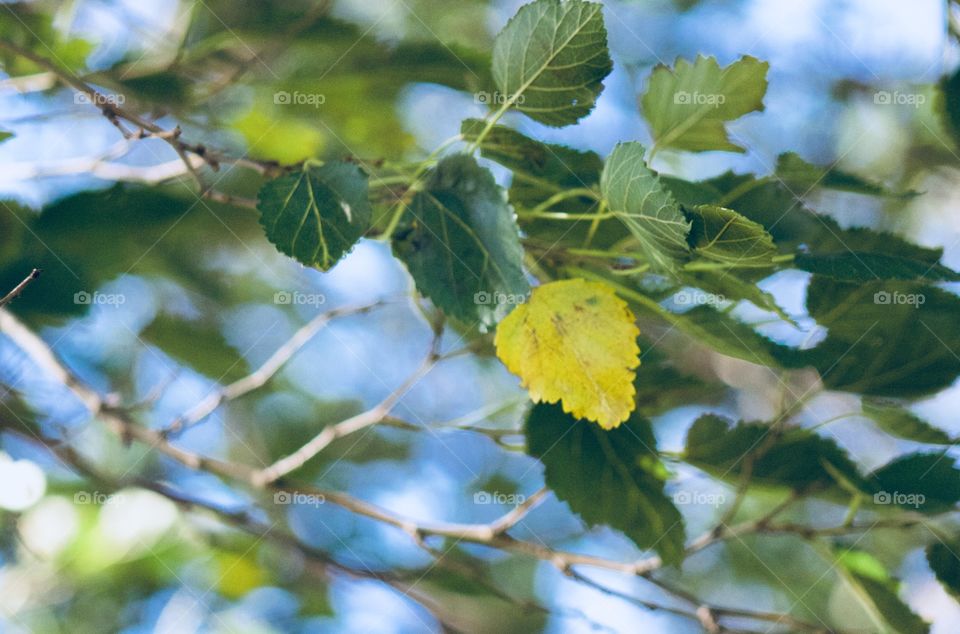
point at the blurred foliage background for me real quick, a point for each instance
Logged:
(193, 285)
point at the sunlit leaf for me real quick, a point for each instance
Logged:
(687, 106)
(461, 244)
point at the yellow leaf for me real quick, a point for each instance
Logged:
(576, 342)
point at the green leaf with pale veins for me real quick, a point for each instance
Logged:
(634, 192)
(461, 244)
(608, 477)
(687, 107)
(902, 423)
(867, 267)
(723, 235)
(550, 59)
(317, 214)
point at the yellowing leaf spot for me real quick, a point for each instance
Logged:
(576, 342)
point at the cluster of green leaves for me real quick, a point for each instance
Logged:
(644, 236)
(566, 261)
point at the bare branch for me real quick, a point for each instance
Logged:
(12, 295)
(267, 370)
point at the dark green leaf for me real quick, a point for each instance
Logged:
(866, 267)
(902, 423)
(944, 560)
(461, 244)
(865, 350)
(924, 482)
(801, 177)
(550, 59)
(539, 169)
(317, 214)
(795, 458)
(608, 477)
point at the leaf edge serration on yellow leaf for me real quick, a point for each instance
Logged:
(519, 347)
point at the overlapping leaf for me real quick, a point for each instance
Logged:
(550, 59)
(634, 192)
(608, 477)
(317, 214)
(574, 342)
(723, 235)
(461, 244)
(902, 423)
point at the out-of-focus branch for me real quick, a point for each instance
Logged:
(365, 419)
(493, 535)
(267, 370)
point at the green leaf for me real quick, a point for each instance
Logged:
(635, 194)
(461, 244)
(802, 177)
(316, 215)
(865, 350)
(797, 458)
(725, 335)
(5, 135)
(608, 477)
(688, 106)
(539, 169)
(723, 235)
(869, 579)
(944, 560)
(902, 423)
(197, 344)
(550, 59)
(923, 482)
(867, 267)
(948, 105)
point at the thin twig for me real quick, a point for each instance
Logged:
(12, 295)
